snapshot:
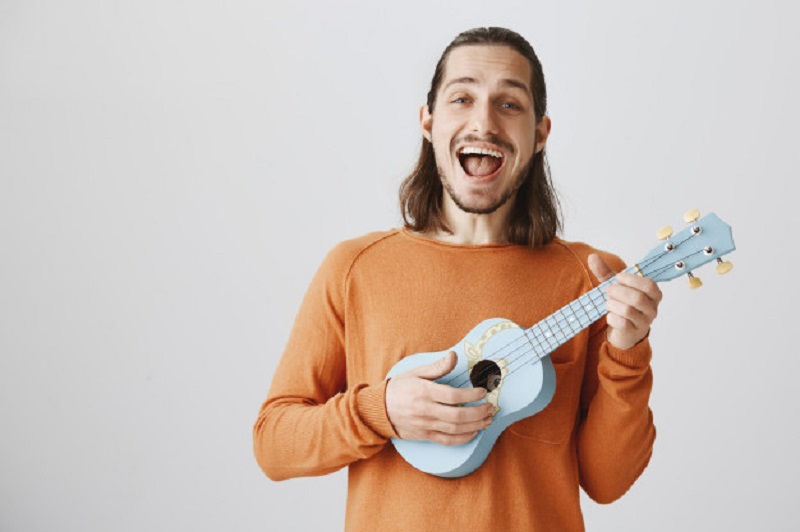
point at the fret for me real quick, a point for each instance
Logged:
(549, 334)
(598, 304)
(604, 286)
(543, 345)
(580, 313)
(561, 320)
(589, 307)
(561, 334)
(593, 300)
(562, 325)
(558, 332)
(538, 352)
(545, 336)
(568, 320)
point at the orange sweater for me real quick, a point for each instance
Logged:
(386, 295)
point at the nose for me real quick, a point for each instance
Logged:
(483, 119)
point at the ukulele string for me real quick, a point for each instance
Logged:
(528, 345)
(538, 358)
(594, 296)
(542, 339)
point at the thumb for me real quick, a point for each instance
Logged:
(599, 268)
(440, 368)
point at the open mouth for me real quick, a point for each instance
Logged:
(480, 162)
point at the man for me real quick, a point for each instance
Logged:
(479, 241)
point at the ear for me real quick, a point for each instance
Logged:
(425, 122)
(542, 132)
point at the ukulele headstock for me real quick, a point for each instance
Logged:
(706, 239)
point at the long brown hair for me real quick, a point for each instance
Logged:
(535, 218)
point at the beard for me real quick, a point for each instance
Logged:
(462, 203)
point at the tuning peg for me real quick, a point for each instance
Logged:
(691, 216)
(664, 233)
(694, 282)
(723, 266)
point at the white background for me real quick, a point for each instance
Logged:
(172, 173)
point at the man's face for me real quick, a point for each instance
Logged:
(483, 127)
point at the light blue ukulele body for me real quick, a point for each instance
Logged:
(528, 385)
(514, 364)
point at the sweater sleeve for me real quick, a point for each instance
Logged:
(616, 434)
(616, 431)
(314, 422)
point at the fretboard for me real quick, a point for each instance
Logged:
(560, 326)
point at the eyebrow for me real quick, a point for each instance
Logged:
(506, 82)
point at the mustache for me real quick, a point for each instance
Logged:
(490, 139)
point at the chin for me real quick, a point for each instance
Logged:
(471, 204)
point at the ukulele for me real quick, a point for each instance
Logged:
(513, 363)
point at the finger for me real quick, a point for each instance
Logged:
(455, 429)
(600, 269)
(457, 415)
(642, 284)
(450, 439)
(633, 298)
(440, 368)
(622, 316)
(620, 325)
(448, 395)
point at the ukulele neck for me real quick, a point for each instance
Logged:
(559, 327)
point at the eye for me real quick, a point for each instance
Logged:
(511, 106)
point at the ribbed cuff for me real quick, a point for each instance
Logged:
(635, 357)
(371, 405)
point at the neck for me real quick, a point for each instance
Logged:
(473, 229)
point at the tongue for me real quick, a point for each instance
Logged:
(480, 165)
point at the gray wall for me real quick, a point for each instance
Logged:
(172, 173)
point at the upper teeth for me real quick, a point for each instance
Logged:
(481, 151)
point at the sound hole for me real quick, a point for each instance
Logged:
(485, 374)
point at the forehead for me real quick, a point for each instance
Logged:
(487, 64)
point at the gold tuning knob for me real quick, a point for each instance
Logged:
(694, 282)
(723, 266)
(664, 233)
(691, 216)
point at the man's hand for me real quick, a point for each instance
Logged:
(423, 410)
(632, 304)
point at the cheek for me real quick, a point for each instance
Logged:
(441, 144)
(445, 127)
(527, 143)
